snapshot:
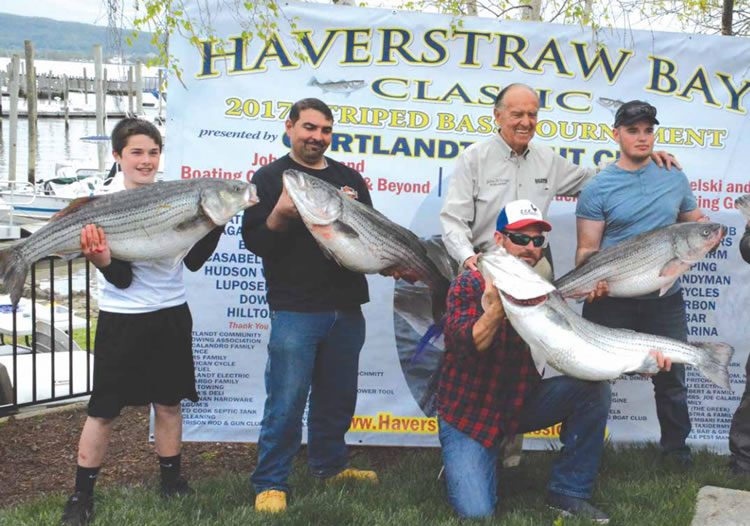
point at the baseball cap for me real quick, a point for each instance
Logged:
(635, 111)
(521, 213)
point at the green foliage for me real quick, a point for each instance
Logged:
(632, 480)
(164, 18)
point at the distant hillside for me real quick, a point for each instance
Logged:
(54, 39)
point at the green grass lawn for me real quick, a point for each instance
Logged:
(634, 487)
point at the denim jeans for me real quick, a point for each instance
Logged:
(308, 353)
(470, 468)
(663, 316)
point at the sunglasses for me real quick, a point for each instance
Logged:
(523, 239)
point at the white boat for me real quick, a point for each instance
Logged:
(41, 201)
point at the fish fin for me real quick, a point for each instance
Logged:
(540, 359)
(674, 267)
(189, 224)
(13, 268)
(714, 363)
(70, 256)
(436, 251)
(665, 288)
(176, 260)
(342, 228)
(74, 205)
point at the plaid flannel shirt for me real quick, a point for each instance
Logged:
(482, 393)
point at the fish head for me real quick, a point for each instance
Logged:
(221, 200)
(692, 241)
(318, 202)
(743, 204)
(512, 276)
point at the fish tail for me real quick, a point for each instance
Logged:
(313, 81)
(13, 269)
(714, 363)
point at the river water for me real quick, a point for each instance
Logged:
(55, 146)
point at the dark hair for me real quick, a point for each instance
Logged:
(309, 104)
(501, 95)
(131, 126)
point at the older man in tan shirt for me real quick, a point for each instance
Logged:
(494, 172)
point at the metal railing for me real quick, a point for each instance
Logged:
(41, 361)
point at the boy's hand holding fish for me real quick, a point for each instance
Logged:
(94, 246)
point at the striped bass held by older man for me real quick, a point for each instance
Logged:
(151, 222)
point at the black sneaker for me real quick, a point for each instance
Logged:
(575, 507)
(179, 488)
(78, 510)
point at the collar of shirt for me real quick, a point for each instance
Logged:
(508, 152)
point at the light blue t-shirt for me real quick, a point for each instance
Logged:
(631, 203)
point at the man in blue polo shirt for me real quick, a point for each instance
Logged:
(627, 198)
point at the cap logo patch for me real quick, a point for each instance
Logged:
(351, 192)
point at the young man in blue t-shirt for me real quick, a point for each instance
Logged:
(629, 197)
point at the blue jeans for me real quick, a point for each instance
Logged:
(308, 353)
(663, 316)
(470, 468)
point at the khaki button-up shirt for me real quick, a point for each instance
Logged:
(488, 175)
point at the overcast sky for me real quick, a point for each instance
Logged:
(86, 11)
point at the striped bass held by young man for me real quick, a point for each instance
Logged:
(156, 221)
(646, 263)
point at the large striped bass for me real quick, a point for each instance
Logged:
(155, 221)
(582, 349)
(643, 264)
(360, 238)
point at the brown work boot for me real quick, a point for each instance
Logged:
(270, 501)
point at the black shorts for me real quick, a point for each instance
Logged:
(141, 359)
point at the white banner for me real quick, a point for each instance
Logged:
(409, 92)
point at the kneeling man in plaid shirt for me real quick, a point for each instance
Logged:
(490, 389)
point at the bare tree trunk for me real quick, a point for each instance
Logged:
(534, 11)
(471, 7)
(726, 17)
(588, 8)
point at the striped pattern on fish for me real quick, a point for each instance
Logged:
(360, 238)
(643, 264)
(582, 349)
(156, 221)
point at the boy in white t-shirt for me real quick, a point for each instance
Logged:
(143, 341)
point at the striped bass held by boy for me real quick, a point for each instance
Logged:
(360, 238)
(151, 222)
(577, 347)
(646, 263)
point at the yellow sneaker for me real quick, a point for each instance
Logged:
(270, 501)
(355, 474)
